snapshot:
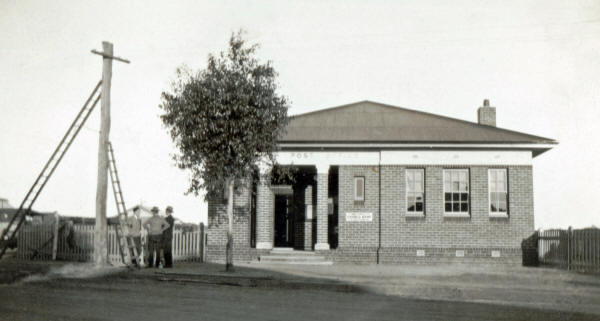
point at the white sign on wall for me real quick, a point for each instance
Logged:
(359, 217)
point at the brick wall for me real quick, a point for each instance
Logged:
(438, 237)
(321, 207)
(265, 205)
(435, 237)
(358, 236)
(217, 226)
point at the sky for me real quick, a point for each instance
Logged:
(537, 61)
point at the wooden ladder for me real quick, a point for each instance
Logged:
(127, 247)
(10, 232)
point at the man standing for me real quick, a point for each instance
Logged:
(155, 227)
(134, 224)
(168, 238)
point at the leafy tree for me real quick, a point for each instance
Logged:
(224, 120)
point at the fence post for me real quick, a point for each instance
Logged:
(536, 262)
(55, 236)
(201, 244)
(569, 251)
(174, 252)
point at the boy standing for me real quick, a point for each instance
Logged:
(134, 224)
(155, 227)
(168, 238)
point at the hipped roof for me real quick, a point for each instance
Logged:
(371, 122)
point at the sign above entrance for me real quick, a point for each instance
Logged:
(359, 217)
(326, 158)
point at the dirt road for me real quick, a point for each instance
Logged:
(116, 298)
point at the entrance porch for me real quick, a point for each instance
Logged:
(296, 208)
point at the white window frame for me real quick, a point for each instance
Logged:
(505, 172)
(406, 182)
(356, 180)
(460, 213)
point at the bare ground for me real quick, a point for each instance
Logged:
(68, 291)
(115, 298)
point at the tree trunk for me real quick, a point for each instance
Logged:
(229, 247)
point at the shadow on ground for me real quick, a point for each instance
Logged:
(243, 275)
(516, 293)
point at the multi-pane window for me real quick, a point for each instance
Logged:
(456, 191)
(498, 191)
(359, 188)
(415, 191)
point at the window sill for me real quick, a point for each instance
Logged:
(499, 215)
(414, 214)
(359, 203)
(457, 215)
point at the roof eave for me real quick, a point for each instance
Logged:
(535, 148)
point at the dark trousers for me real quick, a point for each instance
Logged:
(168, 250)
(154, 245)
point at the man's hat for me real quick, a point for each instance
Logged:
(154, 209)
(169, 209)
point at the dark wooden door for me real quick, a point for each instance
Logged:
(284, 228)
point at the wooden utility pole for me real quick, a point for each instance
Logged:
(101, 228)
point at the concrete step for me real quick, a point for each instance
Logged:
(291, 258)
(282, 249)
(292, 253)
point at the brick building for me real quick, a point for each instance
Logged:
(377, 183)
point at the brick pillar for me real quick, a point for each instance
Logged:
(309, 217)
(264, 210)
(322, 220)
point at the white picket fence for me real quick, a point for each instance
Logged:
(75, 242)
(35, 241)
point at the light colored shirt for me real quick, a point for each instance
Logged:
(156, 225)
(134, 225)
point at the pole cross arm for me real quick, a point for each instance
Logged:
(94, 51)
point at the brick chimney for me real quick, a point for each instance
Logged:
(486, 115)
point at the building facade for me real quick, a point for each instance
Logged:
(374, 183)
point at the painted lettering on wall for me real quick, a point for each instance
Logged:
(302, 155)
